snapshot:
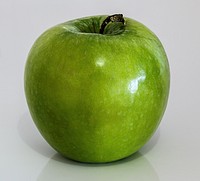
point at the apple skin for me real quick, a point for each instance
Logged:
(97, 98)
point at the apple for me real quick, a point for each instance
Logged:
(97, 87)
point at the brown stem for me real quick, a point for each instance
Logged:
(112, 18)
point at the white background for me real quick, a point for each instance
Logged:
(173, 153)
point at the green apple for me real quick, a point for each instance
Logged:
(97, 87)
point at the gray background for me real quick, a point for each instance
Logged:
(171, 154)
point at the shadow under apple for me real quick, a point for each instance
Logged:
(135, 167)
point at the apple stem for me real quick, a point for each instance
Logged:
(111, 18)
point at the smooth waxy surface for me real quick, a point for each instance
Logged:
(97, 98)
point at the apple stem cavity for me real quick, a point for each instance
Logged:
(115, 18)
